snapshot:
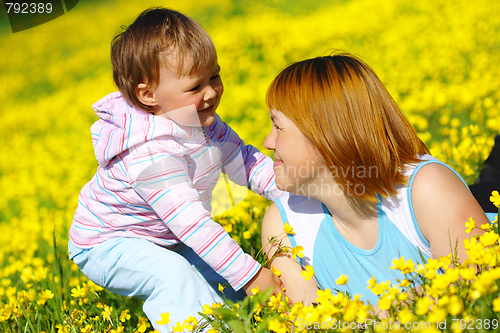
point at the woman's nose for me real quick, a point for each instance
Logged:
(269, 141)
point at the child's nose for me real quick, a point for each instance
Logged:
(210, 93)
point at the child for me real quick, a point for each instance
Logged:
(143, 226)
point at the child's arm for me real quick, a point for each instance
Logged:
(160, 175)
(244, 164)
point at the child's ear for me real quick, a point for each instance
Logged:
(145, 94)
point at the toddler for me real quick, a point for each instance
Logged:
(143, 226)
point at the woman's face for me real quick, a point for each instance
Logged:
(297, 165)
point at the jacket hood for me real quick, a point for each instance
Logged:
(122, 126)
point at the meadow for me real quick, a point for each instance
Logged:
(440, 60)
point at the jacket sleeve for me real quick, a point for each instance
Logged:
(162, 179)
(244, 164)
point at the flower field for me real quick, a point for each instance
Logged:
(440, 60)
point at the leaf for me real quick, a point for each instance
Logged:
(237, 326)
(262, 327)
(226, 313)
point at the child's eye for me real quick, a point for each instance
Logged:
(215, 77)
(195, 88)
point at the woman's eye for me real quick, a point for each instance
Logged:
(278, 128)
(215, 77)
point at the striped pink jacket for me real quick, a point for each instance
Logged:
(155, 180)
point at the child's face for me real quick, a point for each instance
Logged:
(203, 90)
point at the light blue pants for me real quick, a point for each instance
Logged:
(176, 281)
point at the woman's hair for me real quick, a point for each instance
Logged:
(342, 107)
(136, 52)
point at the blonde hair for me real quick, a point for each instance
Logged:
(342, 107)
(136, 52)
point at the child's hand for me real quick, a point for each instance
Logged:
(264, 279)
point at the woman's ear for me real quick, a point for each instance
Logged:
(145, 94)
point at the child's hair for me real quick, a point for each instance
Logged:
(340, 104)
(136, 52)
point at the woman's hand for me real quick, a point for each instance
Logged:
(264, 279)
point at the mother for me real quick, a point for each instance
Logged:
(363, 188)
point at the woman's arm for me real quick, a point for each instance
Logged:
(442, 204)
(296, 288)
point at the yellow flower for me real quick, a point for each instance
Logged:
(487, 226)
(385, 302)
(274, 301)
(443, 301)
(495, 198)
(488, 238)
(228, 227)
(106, 314)
(255, 290)
(124, 316)
(398, 263)
(380, 288)
(405, 316)
(423, 305)
(79, 292)
(142, 328)
(468, 273)
(342, 280)
(430, 274)
(434, 263)
(119, 329)
(308, 273)
(288, 229)
(371, 283)
(297, 251)
(324, 296)
(409, 267)
(496, 304)
(165, 318)
(471, 224)
(469, 243)
(62, 328)
(405, 283)
(45, 296)
(207, 309)
(475, 294)
(221, 288)
(86, 329)
(436, 315)
(178, 328)
(191, 323)
(456, 306)
(275, 271)
(276, 326)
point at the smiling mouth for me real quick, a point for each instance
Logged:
(210, 108)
